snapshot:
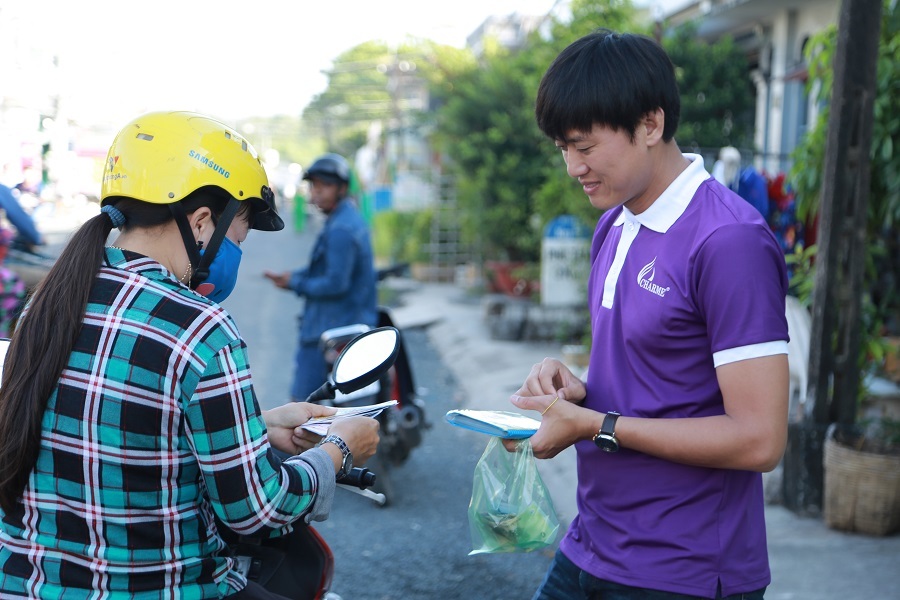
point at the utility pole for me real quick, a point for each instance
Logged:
(840, 263)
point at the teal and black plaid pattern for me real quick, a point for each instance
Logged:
(152, 427)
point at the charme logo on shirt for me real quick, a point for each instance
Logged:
(645, 279)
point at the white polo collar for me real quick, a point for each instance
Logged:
(671, 204)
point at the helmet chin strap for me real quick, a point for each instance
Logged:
(200, 264)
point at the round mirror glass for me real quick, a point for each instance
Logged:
(365, 354)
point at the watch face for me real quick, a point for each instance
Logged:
(606, 442)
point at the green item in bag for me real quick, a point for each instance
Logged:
(511, 509)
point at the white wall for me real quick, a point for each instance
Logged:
(780, 102)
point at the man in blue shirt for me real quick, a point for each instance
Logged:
(339, 282)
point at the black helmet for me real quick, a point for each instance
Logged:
(329, 167)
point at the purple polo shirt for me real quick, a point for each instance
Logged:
(694, 282)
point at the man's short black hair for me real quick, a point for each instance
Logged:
(610, 79)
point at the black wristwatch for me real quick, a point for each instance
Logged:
(347, 461)
(606, 437)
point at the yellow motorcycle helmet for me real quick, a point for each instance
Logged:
(162, 157)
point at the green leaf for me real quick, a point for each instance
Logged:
(887, 149)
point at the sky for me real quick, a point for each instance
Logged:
(229, 59)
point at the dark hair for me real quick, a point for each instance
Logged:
(46, 333)
(610, 79)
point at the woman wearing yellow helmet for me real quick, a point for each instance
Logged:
(128, 419)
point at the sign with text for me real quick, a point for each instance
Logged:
(565, 261)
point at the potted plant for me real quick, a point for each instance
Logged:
(862, 477)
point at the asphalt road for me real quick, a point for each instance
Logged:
(418, 545)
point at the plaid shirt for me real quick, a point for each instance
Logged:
(152, 427)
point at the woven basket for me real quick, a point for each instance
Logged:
(862, 490)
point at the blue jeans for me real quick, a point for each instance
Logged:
(565, 581)
(310, 371)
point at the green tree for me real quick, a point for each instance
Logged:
(356, 94)
(439, 65)
(558, 193)
(359, 93)
(511, 179)
(809, 156)
(493, 144)
(881, 292)
(358, 89)
(717, 96)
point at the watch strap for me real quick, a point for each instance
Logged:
(337, 441)
(342, 446)
(609, 423)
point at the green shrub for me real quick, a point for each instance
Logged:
(401, 237)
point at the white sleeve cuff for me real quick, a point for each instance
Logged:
(723, 357)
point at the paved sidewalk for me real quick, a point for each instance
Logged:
(809, 561)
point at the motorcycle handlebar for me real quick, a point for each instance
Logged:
(358, 477)
(397, 270)
(325, 392)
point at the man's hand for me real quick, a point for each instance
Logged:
(562, 423)
(549, 377)
(284, 424)
(279, 279)
(555, 392)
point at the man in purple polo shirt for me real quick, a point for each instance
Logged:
(685, 402)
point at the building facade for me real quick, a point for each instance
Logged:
(774, 34)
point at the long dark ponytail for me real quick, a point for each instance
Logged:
(46, 334)
(39, 351)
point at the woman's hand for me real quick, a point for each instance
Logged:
(360, 434)
(284, 423)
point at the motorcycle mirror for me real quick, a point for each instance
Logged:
(366, 358)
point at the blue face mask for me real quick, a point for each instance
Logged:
(223, 272)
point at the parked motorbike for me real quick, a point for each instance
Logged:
(401, 425)
(300, 564)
